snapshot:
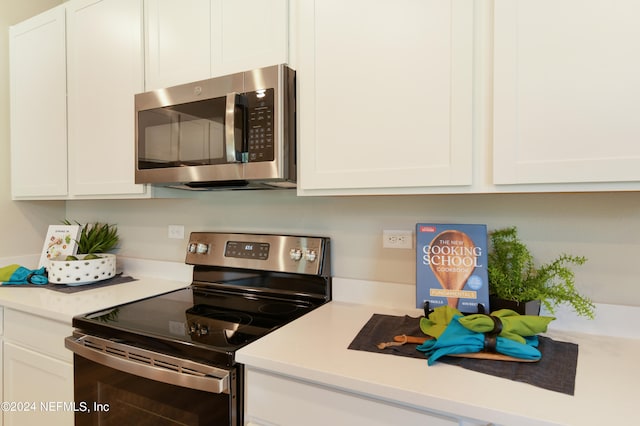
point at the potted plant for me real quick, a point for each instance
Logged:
(96, 238)
(514, 279)
(92, 263)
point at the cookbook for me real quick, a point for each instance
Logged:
(61, 241)
(451, 266)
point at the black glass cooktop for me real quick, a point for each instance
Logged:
(244, 286)
(208, 324)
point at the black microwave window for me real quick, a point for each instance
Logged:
(187, 134)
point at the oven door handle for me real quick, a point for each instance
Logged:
(150, 365)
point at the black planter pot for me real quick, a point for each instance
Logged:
(531, 307)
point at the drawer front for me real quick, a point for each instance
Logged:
(40, 334)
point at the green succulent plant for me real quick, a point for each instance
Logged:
(514, 276)
(96, 237)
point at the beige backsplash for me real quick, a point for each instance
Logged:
(601, 226)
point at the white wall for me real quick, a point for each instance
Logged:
(22, 224)
(604, 227)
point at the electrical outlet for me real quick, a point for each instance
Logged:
(397, 239)
(176, 232)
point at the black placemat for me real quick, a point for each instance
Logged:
(556, 370)
(117, 279)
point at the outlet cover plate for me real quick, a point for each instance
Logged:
(397, 239)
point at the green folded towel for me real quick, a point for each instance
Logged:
(514, 325)
(438, 320)
(457, 339)
(16, 274)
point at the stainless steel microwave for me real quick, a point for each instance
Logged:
(235, 131)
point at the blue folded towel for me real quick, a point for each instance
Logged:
(457, 339)
(16, 274)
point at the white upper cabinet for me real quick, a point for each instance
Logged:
(394, 97)
(385, 95)
(211, 38)
(177, 42)
(248, 34)
(39, 107)
(566, 90)
(105, 70)
(72, 111)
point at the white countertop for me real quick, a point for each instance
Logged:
(314, 349)
(152, 277)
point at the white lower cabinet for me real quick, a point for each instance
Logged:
(275, 400)
(38, 371)
(41, 387)
(1, 352)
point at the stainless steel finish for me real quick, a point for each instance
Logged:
(230, 127)
(151, 365)
(279, 173)
(287, 252)
(199, 90)
(244, 286)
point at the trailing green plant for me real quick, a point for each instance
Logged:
(96, 237)
(513, 275)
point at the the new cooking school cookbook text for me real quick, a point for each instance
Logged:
(451, 266)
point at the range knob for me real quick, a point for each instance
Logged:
(310, 255)
(295, 254)
(197, 329)
(202, 248)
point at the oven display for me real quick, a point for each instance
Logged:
(247, 250)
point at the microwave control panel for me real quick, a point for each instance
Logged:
(260, 138)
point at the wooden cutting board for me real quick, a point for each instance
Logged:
(418, 340)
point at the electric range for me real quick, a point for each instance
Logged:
(244, 287)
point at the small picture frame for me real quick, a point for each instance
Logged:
(61, 240)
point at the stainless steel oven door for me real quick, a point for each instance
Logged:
(118, 384)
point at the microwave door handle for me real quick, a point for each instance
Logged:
(229, 127)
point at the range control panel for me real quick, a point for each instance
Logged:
(247, 250)
(281, 253)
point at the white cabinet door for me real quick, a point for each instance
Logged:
(212, 38)
(385, 94)
(105, 70)
(177, 42)
(38, 369)
(36, 379)
(248, 34)
(566, 91)
(39, 107)
(1, 359)
(276, 400)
